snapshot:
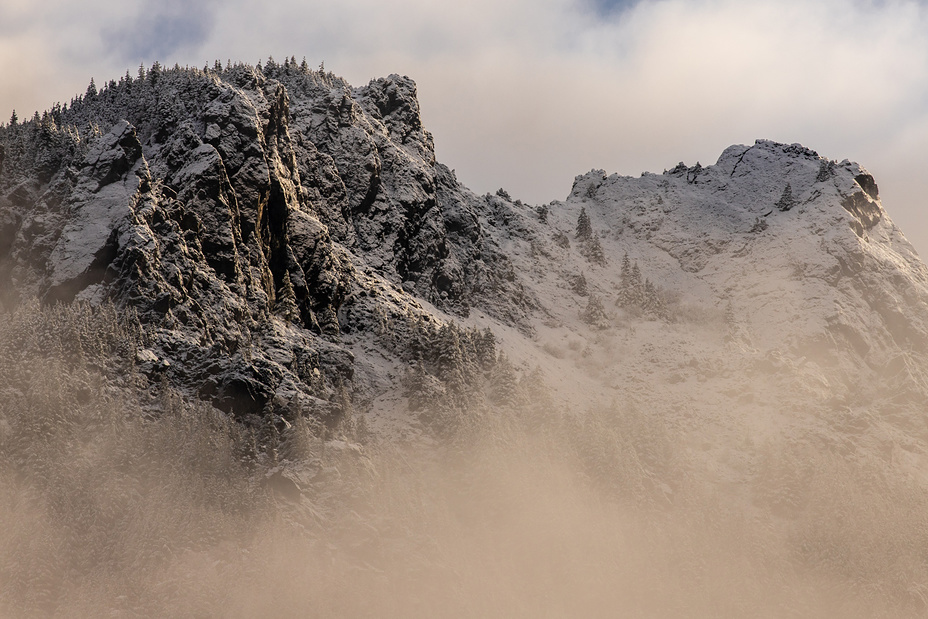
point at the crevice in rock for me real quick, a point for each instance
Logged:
(370, 197)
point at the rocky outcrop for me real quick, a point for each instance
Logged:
(232, 210)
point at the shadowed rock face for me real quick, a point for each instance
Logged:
(212, 201)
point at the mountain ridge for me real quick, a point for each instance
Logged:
(261, 353)
(263, 221)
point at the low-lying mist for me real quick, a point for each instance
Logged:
(119, 498)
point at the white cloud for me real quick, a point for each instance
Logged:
(527, 94)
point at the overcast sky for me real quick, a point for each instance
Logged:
(526, 94)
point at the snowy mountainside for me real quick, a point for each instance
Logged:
(287, 239)
(774, 295)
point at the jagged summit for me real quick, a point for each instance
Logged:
(210, 200)
(755, 179)
(780, 231)
(284, 236)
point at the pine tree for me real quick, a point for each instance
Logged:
(538, 401)
(625, 285)
(635, 286)
(449, 358)
(636, 293)
(91, 90)
(584, 228)
(485, 344)
(593, 251)
(154, 73)
(595, 314)
(14, 119)
(504, 384)
(653, 303)
(580, 287)
(825, 171)
(786, 201)
(414, 385)
(48, 124)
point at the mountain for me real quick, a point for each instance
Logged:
(287, 249)
(211, 201)
(264, 221)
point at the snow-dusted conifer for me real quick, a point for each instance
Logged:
(154, 73)
(580, 286)
(595, 314)
(449, 358)
(786, 200)
(652, 301)
(625, 284)
(504, 383)
(485, 345)
(584, 228)
(825, 171)
(593, 251)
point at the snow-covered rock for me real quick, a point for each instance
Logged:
(284, 237)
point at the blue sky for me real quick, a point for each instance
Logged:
(525, 94)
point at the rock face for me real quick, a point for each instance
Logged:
(278, 231)
(214, 201)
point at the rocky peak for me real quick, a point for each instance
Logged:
(277, 230)
(394, 101)
(219, 203)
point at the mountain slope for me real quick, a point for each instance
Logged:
(695, 393)
(759, 311)
(271, 225)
